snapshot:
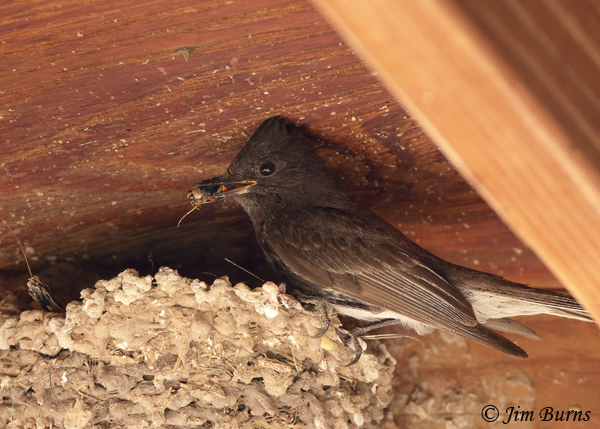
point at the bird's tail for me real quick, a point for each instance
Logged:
(493, 297)
(495, 300)
(482, 334)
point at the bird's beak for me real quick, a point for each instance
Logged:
(211, 190)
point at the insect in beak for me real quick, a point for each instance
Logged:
(212, 190)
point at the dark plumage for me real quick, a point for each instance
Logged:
(324, 244)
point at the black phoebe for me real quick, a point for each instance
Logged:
(325, 245)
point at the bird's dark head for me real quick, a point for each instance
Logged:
(277, 167)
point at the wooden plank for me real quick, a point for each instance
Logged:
(540, 176)
(105, 126)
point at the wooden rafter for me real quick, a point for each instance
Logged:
(513, 117)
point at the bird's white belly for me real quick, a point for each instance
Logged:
(369, 316)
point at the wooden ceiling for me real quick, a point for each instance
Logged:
(112, 110)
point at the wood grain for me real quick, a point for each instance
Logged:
(522, 127)
(105, 126)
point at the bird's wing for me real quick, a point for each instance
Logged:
(362, 256)
(367, 259)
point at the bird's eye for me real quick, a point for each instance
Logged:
(267, 169)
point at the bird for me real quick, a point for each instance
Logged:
(330, 249)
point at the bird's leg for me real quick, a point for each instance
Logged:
(352, 340)
(321, 306)
(355, 333)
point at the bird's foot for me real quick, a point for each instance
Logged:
(352, 341)
(354, 334)
(321, 305)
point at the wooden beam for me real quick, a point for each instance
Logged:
(494, 108)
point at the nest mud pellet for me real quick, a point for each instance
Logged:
(172, 352)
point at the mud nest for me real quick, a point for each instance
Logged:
(174, 352)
